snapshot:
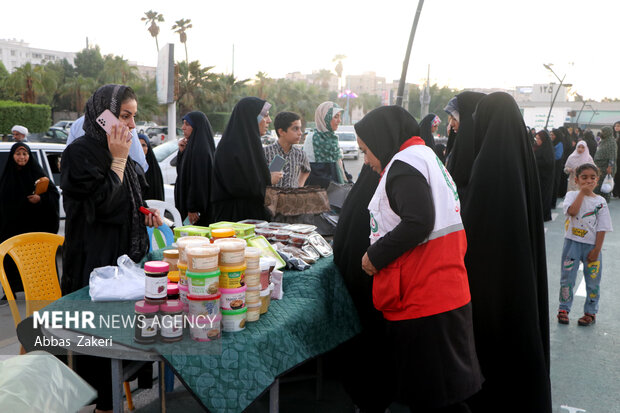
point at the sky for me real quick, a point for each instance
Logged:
(468, 44)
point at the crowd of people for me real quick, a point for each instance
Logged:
(446, 265)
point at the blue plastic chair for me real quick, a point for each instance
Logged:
(160, 237)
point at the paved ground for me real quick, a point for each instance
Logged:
(585, 361)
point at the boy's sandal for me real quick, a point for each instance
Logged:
(563, 317)
(587, 319)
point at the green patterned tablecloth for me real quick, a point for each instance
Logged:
(315, 315)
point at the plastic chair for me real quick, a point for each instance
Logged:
(162, 207)
(34, 254)
(160, 237)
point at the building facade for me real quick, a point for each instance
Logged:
(16, 53)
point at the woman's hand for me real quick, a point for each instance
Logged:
(153, 220)
(34, 199)
(276, 176)
(367, 265)
(182, 144)
(193, 217)
(119, 141)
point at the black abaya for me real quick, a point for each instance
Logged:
(546, 165)
(192, 191)
(240, 174)
(461, 156)
(155, 183)
(17, 214)
(506, 262)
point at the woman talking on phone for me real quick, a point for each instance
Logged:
(102, 197)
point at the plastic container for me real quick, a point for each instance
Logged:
(256, 222)
(265, 299)
(184, 242)
(173, 291)
(182, 273)
(172, 258)
(202, 258)
(205, 328)
(173, 277)
(252, 296)
(232, 298)
(265, 272)
(253, 312)
(234, 320)
(252, 278)
(183, 294)
(297, 239)
(145, 328)
(232, 251)
(191, 230)
(221, 233)
(203, 284)
(232, 277)
(267, 232)
(252, 257)
(171, 321)
(282, 235)
(207, 306)
(156, 282)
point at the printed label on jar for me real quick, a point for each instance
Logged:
(206, 307)
(232, 257)
(199, 263)
(172, 325)
(149, 328)
(233, 301)
(156, 287)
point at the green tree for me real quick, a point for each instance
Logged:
(89, 62)
(117, 70)
(151, 18)
(29, 81)
(78, 89)
(262, 82)
(4, 74)
(366, 102)
(180, 26)
(192, 84)
(323, 77)
(146, 92)
(440, 96)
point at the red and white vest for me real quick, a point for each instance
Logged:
(430, 278)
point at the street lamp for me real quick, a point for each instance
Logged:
(580, 110)
(594, 112)
(548, 67)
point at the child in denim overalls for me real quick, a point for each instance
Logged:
(587, 220)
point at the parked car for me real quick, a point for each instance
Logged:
(347, 141)
(143, 125)
(53, 135)
(63, 124)
(166, 155)
(159, 134)
(47, 154)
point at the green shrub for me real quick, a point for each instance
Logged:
(37, 118)
(218, 121)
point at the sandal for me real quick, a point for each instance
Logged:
(563, 317)
(587, 320)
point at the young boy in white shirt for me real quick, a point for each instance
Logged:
(587, 220)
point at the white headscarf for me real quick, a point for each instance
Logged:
(321, 115)
(577, 159)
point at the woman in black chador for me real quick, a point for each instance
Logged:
(155, 182)
(192, 191)
(506, 262)
(544, 154)
(22, 211)
(241, 174)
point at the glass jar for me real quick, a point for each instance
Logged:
(145, 326)
(171, 321)
(156, 282)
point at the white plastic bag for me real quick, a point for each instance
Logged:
(39, 382)
(608, 184)
(117, 283)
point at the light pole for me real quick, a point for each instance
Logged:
(548, 67)
(580, 110)
(594, 112)
(403, 75)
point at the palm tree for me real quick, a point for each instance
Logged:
(28, 81)
(263, 81)
(78, 89)
(152, 17)
(339, 58)
(117, 70)
(323, 77)
(179, 27)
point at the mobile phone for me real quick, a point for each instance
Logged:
(277, 164)
(107, 119)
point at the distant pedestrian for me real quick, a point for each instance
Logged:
(588, 137)
(605, 159)
(20, 133)
(587, 221)
(558, 149)
(543, 152)
(616, 136)
(154, 188)
(580, 156)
